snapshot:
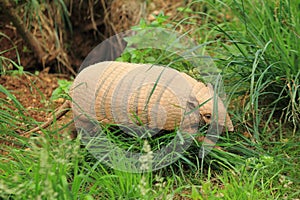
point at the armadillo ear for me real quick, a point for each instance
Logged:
(192, 103)
(229, 124)
(210, 86)
(210, 89)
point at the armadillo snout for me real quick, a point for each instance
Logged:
(206, 97)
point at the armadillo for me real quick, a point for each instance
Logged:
(143, 94)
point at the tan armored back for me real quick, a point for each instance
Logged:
(142, 94)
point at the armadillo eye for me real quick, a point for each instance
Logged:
(207, 116)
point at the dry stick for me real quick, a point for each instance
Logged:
(61, 111)
(23, 31)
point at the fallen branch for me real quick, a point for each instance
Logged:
(61, 111)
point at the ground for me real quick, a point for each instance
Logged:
(33, 92)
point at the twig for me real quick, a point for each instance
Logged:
(61, 111)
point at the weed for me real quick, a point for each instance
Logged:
(62, 90)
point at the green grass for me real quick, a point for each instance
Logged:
(268, 39)
(257, 49)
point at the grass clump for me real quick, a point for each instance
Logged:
(262, 49)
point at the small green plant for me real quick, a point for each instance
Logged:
(161, 21)
(63, 89)
(145, 46)
(158, 43)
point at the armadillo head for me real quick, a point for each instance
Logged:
(205, 96)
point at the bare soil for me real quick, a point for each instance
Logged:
(34, 92)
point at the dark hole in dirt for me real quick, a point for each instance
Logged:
(78, 41)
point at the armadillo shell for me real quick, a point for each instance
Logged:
(133, 95)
